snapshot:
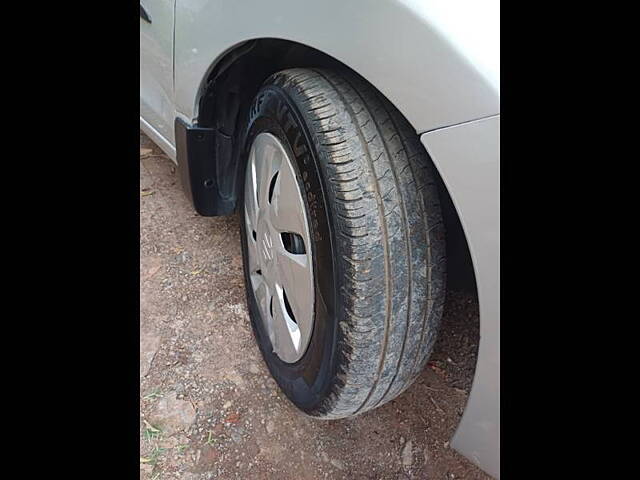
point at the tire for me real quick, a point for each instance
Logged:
(371, 197)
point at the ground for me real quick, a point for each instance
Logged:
(208, 406)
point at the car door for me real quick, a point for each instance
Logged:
(157, 105)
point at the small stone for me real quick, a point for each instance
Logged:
(407, 454)
(227, 404)
(179, 389)
(270, 426)
(149, 345)
(173, 414)
(182, 257)
(337, 463)
(253, 368)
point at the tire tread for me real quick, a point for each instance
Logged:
(389, 235)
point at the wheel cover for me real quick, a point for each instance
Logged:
(279, 248)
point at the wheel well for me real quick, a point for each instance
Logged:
(227, 94)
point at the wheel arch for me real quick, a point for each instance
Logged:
(437, 67)
(228, 90)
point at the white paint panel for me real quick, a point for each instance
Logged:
(468, 159)
(410, 56)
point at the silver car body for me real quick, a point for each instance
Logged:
(438, 62)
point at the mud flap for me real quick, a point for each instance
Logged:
(196, 157)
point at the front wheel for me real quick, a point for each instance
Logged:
(343, 242)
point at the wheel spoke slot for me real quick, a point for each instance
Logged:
(293, 243)
(272, 186)
(287, 305)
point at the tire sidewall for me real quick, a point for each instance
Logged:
(308, 381)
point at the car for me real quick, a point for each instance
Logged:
(359, 142)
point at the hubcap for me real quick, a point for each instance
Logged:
(279, 248)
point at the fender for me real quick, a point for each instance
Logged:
(468, 159)
(417, 54)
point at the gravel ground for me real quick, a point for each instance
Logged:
(208, 407)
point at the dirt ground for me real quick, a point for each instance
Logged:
(208, 407)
